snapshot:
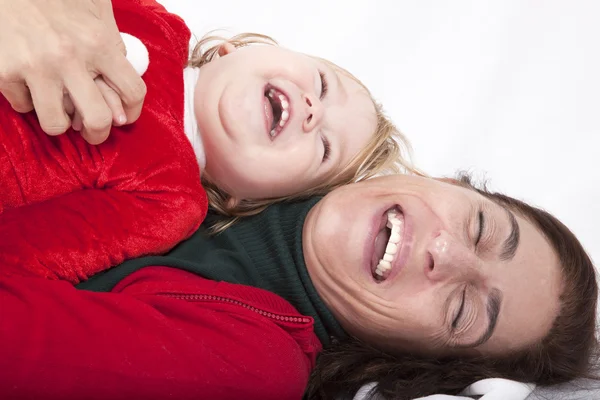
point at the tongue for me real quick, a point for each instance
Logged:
(268, 114)
(380, 244)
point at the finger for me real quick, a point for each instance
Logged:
(68, 104)
(89, 103)
(77, 123)
(119, 74)
(18, 96)
(47, 97)
(113, 101)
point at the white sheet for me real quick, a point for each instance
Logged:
(488, 389)
(509, 88)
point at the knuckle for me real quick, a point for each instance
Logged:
(21, 106)
(55, 127)
(96, 40)
(96, 138)
(138, 92)
(99, 123)
(8, 76)
(61, 53)
(121, 48)
(64, 51)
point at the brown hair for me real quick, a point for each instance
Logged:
(568, 351)
(388, 151)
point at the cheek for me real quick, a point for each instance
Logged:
(417, 319)
(290, 171)
(269, 64)
(398, 327)
(302, 74)
(239, 175)
(262, 174)
(341, 238)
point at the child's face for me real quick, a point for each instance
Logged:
(266, 121)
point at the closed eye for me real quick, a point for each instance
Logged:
(460, 310)
(481, 227)
(324, 85)
(327, 149)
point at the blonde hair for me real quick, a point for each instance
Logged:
(388, 152)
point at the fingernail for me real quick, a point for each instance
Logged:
(121, 120)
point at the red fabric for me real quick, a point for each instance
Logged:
(139, 342)
(69, 209)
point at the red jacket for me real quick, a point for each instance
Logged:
(69, 209)
(162, 333)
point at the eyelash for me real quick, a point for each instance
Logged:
(324, 85)
(327, 147)
(460, 309)
(481, 218)
(481, 227)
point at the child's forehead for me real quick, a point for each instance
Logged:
(344, 77)
(310, 58)
(342, 72)
(328, 63)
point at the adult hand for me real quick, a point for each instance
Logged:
(50, 53)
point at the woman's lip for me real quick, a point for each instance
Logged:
(378, 219)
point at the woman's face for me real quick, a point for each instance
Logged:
(458, 272)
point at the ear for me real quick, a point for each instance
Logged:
(232, 202)
(226, 48)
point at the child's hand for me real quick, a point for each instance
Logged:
(52, 48)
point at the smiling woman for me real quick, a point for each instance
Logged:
(465, 272)
(481, 286)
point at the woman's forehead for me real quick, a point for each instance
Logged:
(531, 284)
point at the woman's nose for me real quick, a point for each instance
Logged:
(313, 112)
(451, 259)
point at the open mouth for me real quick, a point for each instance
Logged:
(281, 109)
(387, 244)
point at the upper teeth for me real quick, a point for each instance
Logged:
(396, 226)
(285, 109)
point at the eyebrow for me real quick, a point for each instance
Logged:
(494, 304)
(511, 244)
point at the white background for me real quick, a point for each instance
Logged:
(506, 88)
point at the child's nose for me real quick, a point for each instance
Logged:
(313, 112)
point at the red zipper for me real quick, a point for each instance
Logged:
(268, 314)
